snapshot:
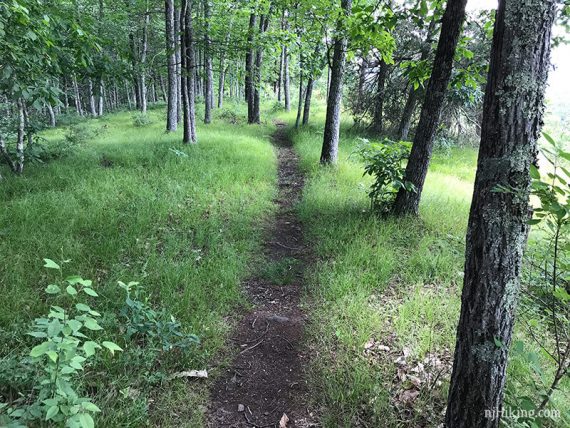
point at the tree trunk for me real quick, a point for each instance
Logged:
(413, 95)
(209, 94)
(280, 76)
(498, 222)
(144, 52)
(101, 98)
(329, 151)
(286, 75)
(300, 103)
(378, 119)
(308, 95)
(92, 108)
(188, 84)
(249, 68)
(51, 115)
(21, 134)
(408, 202)
(178, 57)
(172, 107)
(77, 96)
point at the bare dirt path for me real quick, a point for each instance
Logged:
(266, 379)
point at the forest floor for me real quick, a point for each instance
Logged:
(265, 385)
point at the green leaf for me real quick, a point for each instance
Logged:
(71, 290)
(50, 264)
(90, 292)
(82, 307)
(498, 342)
(39, 350)
(89, 347)
(112, 347)
(86, 420)
(51, 412)
(549, 138)
(91, 324)
(534, 172)
(53, 289)
(89, 406)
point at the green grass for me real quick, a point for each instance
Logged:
(385, 282)
(186, 223)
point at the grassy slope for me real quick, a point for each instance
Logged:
(126, 207)
(394, 281)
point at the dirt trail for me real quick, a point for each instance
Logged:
(266, 378)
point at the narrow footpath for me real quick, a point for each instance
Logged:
(265, 384)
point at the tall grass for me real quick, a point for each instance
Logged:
(134, 204)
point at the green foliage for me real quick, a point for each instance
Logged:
(141, 119)
(65, 351)
(281, 272)
(156, 330)
(384, 161)
(79, 133)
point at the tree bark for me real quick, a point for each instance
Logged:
(144, 52)
(286, 74)
(301, 89)
(308, 96)
(172, 107)
(188, 87)
(329, 151)
(249, 67)
(378, 119)
(77, 96)
(209, 76)
(101, 98)
(408, 202)
(178, 57)
(498, 222)
(92, 108)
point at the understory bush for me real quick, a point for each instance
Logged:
(384, 161)
(141, 119)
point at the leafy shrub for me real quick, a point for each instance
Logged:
(384, 161)
(230, 116)
(79, 134)
(141, 119)
(153, 328)
(64, 352)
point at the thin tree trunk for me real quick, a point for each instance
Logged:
(51, 115)
(378, 119)
(407, 202)
(189, 87)
(249, 68)
(413, 94)
(329, 151)
(308, 95)
(209, 76)
(263, 25)
(498, 222)
(172, 103)
(178, 67)
(21, 135)
(280, 77)
(77, 96)
(301, 97)
(144, 52)
(286, 74)
(101, 100)
(92, 108)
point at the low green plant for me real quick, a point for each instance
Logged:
(155, 329)
(281, 272)
(141, 119)
(64, 352)
(79, 133)
(384, 161)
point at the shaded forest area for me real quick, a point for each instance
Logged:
(380, 185)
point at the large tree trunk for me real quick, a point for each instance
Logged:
(329, 151)
(188, 84)
(378, 119)
(172, 102)
(308, 95)
(263, 25)
(413, 94)
(249, 67)
(178, 56)
(209, 89)
(51, 114)
(408, 202)
(498, 223)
